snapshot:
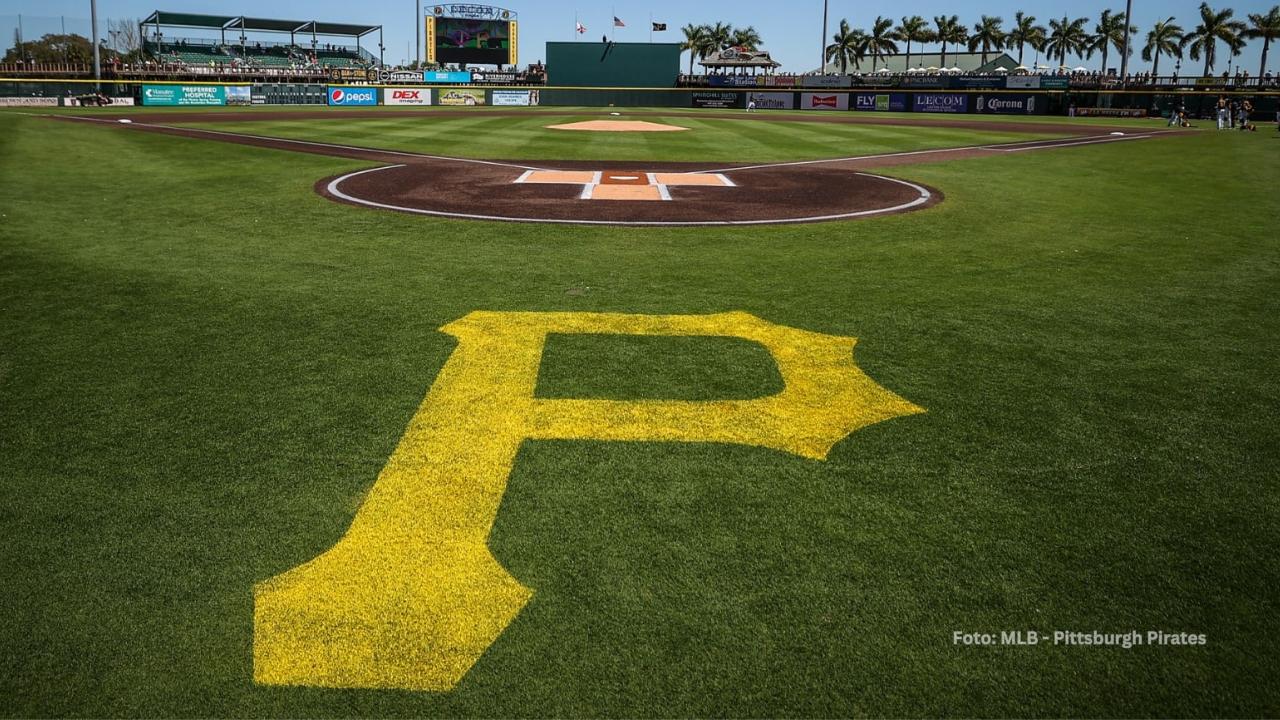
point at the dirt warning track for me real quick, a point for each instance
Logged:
(625, 192)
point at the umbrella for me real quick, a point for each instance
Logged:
(884, 70)
(1043, 67)
(955, 70)
(1081, 69)
(1001, 70)
(1023, 68)
(932, 69)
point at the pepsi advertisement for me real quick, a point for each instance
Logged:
(348, 96)
(941, 103)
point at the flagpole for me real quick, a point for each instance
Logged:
(651, 27)
(613, 26)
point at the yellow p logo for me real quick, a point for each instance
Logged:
(411, 597)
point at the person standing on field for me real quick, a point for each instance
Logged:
(1222, 112)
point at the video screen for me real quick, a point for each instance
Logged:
(486, 42)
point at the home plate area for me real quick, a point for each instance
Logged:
(624, 184)
(652, 194)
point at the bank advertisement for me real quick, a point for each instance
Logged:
(349, 96)
(879, 102)
(184, 95)
(773, 100)
(940, 103)
(459, 96)
(512, 98)
(1009, 104)
(824, 101)
(929, 82)
(406, 96)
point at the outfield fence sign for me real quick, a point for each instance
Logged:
(171, 95)
(510, 98)
(879, 102)
(349, 96)
(717, 100)
(940, 103)
(773, 100)
(406, 96)
(460, 97)
(824, 101)
(1009, 104)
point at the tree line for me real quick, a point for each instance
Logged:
(1062, 38)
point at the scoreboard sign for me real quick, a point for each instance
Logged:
(472, 34)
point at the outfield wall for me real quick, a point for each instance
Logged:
(994, 101)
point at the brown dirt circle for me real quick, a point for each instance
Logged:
(750, 196)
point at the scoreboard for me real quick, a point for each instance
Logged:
(471, 34)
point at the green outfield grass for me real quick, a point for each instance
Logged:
(710, 139)
(204, 366)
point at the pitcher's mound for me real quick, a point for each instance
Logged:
(617, 126)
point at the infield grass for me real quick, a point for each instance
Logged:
(204, 365)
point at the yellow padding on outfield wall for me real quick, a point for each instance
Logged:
(411, 597)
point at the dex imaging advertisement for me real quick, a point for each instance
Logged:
(406, 96)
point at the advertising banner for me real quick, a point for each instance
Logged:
(1055, 83)
(731, 81)
(28, 101)
(779, 81)
(940, 103)
(718, 100)
(399, 76)
(826, 81)
(879, 102)
(346, 75)
(773, 100)
(1009, 104)
(511, 98)
(446, 77)
(184, 95)
(406, 96)
(494, 78)
(349, 96)
(1022, 82)
(1111, 112)
(824, 101)
(977, 83)
(239, 95)
(460, 97)
(929, 82)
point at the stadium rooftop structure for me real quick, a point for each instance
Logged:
(161, 19)
(737, 58)
(967, 62)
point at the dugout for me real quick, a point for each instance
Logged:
(612, 65)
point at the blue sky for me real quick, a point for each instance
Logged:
(791, 29)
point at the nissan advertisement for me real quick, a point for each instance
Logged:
(940, 103)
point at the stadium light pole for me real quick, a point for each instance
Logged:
(417, 34)
(822, 47)
(97, 60)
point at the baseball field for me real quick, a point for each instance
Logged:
(452, 413)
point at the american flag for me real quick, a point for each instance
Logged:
(617, 22)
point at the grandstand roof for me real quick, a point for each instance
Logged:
(966, 61)
(226, 22)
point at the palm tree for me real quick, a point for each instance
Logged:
(1214, 26)
(1109, 33)
(850, 45)
(1164, 39)
(1067, 37)
(696, 41)
(949, 30)
(1025, 31)
(721, 35)
(912, 29)
(746, 37)
(988, 36)
(1265, 28)
(880, 40)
